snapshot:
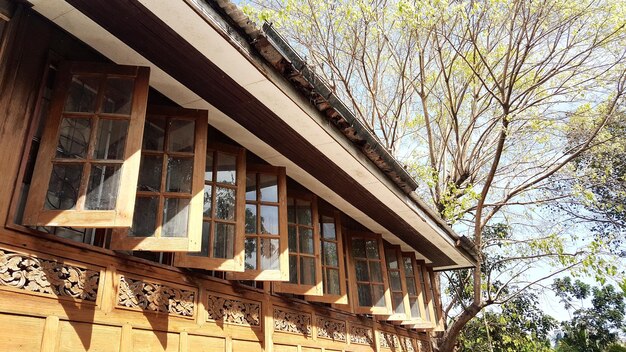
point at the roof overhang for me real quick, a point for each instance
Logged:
(194, 63)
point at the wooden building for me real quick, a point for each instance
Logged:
(176, 179)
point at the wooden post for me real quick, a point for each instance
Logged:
(126, 339)
(183, 345)
(50, 334)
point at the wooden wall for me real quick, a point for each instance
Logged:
(59, 295)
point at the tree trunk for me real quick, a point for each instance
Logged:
(449, 338)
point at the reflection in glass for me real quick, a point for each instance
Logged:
(251, 218)
(206, 208)
(251, 253)
(225, 203)
(304, 212)
(358, 248)
(362, 273)
(371, 247)
(396, 284)
(331, 285)
(328, 228)
(224, 241)
(268, 187)
(307, 271)
(150, 173)
(293, 269)
(111, 139)
(415, 307)
(269, 219)
(376, 273)
(118, 95)
(144, 218)
(82, 94)
(179, 174)
(392, 259)
(181, 135)
(104, 181)
(408, 266)
(330, 254)
(73, 138)
(154, 133)
(175, 214)
(226, 168)
(250, 186)
(397, 303)
(378, 295)
(292, 239)
(269, 254)
(365, 295)
(410, 286)
(306, 240)
(63, 186)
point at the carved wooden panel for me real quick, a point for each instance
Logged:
(408, 344)
(155, 297)
(361, 335)
(388, 340)
(297, 323)
(47, 276)
(233, 311)
(331, 329)
(424, 346)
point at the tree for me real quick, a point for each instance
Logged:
(479, 99)
(592, 329)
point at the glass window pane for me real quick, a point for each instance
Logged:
(208, 201)
(269, 254)
(118, 95)
(292, 236)
(181, 135)
(392, 259)
(250, 186)
(111, 139)
(331, 285)
(153, 134)
(395, 283)
(371, 247)
(82, 94)
(293, 269)
(208, 168)
(251, 253)
(410, 286)
(362, 273)
(307, 271)
(397, 303)
(303, 209)
(204, 244)
(358, 248)
(328, 228)
(291, 210)
(269, 187)
(63, 186)
(74, 137)
(103, 186)
(269, 219)
(378, 295)
(329, 254)
(225, 203)
(224, 240)
(376, 274)
(145, 217)
(226, 168)
(150, 173)
(306, 240)
(408, 266)
(179, 175)
(365, 295)
(175, 215)
(250, 218)
(415, 308)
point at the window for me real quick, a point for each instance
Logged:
(369, 285)
(424, 280)
(266, 255)
(169, 196)
(434, 297)
(397, 283)
(87, 165)
(332, 263)
(416, 303)
(304, 247)
(223, 213)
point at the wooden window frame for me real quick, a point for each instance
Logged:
(341, 298)
(298, 288)
(223, 264)
(421, 320)
(436, 301)
(357, 308)
(406, 315)
(122, 215)
(282, 274)
(428, 302)
(121, 239)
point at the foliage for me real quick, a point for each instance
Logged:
(591, 329)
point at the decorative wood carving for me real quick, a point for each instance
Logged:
(408, 344)
(424, 346)
(233, 311)
(296, 323)
(47, 276)
(388, 340)
(361, 335)
(139, 294)
(331, 329)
